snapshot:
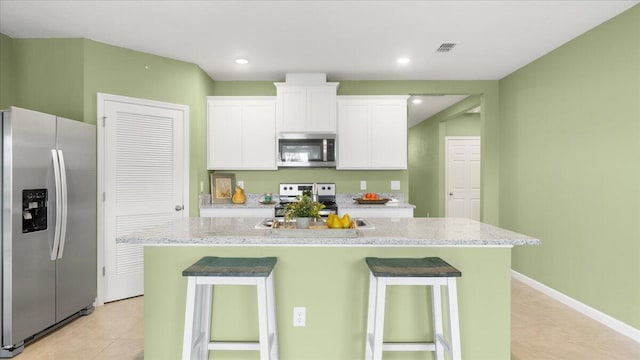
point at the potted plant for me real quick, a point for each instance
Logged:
(303, 211)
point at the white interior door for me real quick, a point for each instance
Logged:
(144, 182)
(463, 177)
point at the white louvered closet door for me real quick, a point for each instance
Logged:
(144, 183)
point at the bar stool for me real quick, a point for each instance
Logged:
(430, 271)
(210, 271)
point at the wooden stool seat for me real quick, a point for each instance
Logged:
(217, 266)
(210, 271)
(429, 271)
(404, 267)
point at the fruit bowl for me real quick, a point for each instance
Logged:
(371, 201)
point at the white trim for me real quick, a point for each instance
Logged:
(101, 98)
(597, 315)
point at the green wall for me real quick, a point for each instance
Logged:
(63, 77)
(569, 173)
(426, 154)
(7, 72)
(332, 283)
(119, 71)
(49, 76)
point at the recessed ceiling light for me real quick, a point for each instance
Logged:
(417, 101)
(404, 60)
(242, 61)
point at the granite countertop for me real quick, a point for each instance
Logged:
(252, 201)
(405, 232)
(343, 200)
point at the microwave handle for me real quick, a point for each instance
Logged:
(324, 150)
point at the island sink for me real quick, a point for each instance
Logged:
(268, 223)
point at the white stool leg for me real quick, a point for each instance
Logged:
(438, 332)
(206, 296)
(189, 316)
(271, 318)
(262, 318)
(378, 330)
(371, 317)
(454, 325)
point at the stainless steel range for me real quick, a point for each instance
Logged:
(325, 193)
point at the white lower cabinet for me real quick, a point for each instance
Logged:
(372, 132)
(381, 212)
(241, 133)
(243, 212)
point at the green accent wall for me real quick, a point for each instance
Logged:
(569, 173)
(7, 72)
(63, 77)
(49, 76)
(332, 283)
(426, 154)
(119, 71)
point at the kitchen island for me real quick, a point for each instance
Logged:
(329, 277)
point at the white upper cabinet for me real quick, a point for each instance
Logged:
(372, 132)
(306, 104)
(241, 133)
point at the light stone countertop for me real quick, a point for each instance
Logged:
(252, 202)
(345, 201)
(405, 232)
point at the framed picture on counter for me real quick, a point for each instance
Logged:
(222, 187)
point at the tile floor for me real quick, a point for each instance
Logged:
(545, 329)
(541, 329)
(112, 332)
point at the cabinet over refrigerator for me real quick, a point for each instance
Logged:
(48, 226)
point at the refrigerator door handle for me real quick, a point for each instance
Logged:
(63, 188)
(58, 224)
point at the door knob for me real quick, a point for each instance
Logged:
(450, 194)
(179, 207)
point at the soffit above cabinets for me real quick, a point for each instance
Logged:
(430, 105)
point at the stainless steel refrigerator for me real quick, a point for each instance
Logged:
(48, 224)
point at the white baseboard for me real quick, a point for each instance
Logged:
(615, 324)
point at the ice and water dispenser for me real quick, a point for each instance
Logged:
(34, 210)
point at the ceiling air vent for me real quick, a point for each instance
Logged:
(446, 47)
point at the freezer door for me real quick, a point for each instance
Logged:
(28, 274)
(76, 264)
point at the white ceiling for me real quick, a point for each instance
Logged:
(348, 40)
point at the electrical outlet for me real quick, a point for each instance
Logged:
(395, 185)
(240, 184)
(363, 185)
(299, 316)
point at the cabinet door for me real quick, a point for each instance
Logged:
(224, 131)
(259, 135)
(321, 109)
(389, 135)
(353, 135)
(291, 111)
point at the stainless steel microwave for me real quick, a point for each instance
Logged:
(306, 150)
